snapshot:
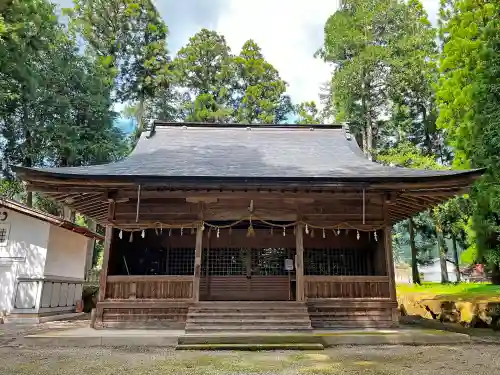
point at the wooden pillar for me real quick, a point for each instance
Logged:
(197, 265)
(104, 270)
(299, 263)
(389, 261)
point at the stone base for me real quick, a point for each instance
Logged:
(81, 337)
(42, 318)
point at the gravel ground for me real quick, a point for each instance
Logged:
(12, 334)
(474, 359)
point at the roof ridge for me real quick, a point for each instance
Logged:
(156, 123)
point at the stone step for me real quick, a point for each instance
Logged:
(252, 347)
(250, 338)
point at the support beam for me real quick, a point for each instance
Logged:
(299, 262)
(104, 270)
(197, 265)
(389, 263)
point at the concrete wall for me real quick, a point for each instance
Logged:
(66, 254)
(8, 271)
(23, 254)
(27, 243)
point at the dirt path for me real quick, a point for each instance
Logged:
(382, 360)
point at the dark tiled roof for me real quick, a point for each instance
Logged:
(265, 152)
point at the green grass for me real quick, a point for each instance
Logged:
(452, 292)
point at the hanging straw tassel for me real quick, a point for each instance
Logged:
(143, 233)
(357, 235)
(324, 233)
(131, 239)
(284, 231)
(120, 235)
(375, 236)
(250, 231)
(312, 233)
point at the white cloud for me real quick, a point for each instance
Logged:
(432, 7)
(289, 34)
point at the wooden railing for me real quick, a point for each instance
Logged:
(149, 287)
(363, 287)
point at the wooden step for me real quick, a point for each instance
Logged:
(237, 307)
(194, 328)
(237, 320)
(247, 315)
(351, 324)
(347, 313)
(255, 322)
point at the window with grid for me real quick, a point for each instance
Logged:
(224, 262)
(270, 261)
(4, 234)
(338, 262)
(180, 261)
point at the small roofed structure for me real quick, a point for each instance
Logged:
(42, 263)
(225, 212)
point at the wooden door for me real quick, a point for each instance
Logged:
(246, 274)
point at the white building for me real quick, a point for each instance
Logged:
(432, 271)
(42, 262)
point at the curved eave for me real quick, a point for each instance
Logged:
(91, 196)
(35, 175)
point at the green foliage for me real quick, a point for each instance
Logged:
(222, 87)
(374, 45)
(129, 38)
(257, 87)
(469, 109)
(54, 102)
(408, 155)
(308, 113)
(204, 68)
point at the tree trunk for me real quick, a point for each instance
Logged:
(28, 146)
(442, 254)
(368, 127)
(455, 256)
(140, 117)
(414, 264)
(369, 132)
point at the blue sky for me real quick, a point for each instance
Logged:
(289, 32)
